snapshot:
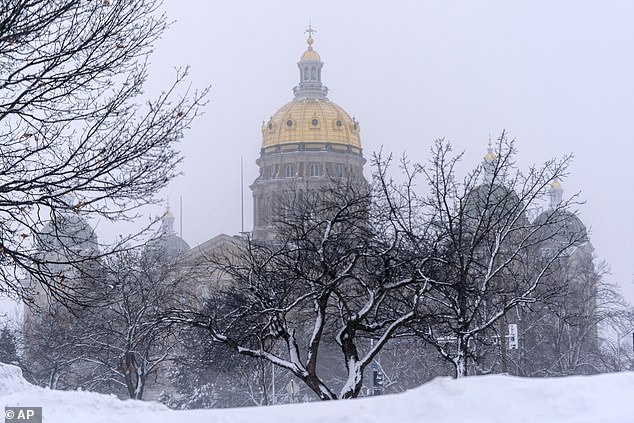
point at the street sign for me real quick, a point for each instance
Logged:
(513, 336)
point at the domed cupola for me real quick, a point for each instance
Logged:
(492, 201)
(67, 233)
(556, 193)
(167, 245)
(310, 140)
(489, 162)
(310, 121)
(558, 225)
(310, 65)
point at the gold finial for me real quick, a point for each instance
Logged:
(490, 154)
(310, 32)
(168, 210)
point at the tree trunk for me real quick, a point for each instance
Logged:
(503, 346)
(460, 362)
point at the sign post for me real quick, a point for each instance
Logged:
(513, 344)
(293, 389)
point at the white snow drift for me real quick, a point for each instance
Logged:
(580, 399)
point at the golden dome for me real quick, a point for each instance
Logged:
(310, 54)
(306, 120)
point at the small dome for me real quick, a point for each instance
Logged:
(310, 54)
(311, 120)
(68, 232)
(166, 247)
(562, 227)
(497, 201)
(490, 156)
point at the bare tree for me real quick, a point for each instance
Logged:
(51, 355)
(315, 295)
(349, 270)
(9, 345)
(119, 344)
(490, 257)
(615, 322)
(207, 374)
(126, 341)
(406, 363)
(561, 335)
(77, 140)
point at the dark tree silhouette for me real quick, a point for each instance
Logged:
(9, 346)
(119, 344)
(491, 256)
(322, 298)
(77, 138)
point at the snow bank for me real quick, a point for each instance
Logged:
(490, 399)
(11, 380)
(69, 406)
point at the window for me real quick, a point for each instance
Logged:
(261, 205)
(314, 169)
(290, 170)
(339, 171)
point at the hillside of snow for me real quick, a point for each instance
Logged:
(580, 399)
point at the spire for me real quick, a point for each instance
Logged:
(310, 65)
(167, 221)
(489, 162)
(556, 193)
(310, 32)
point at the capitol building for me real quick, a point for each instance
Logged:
(307, 144)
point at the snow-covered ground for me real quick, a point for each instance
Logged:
(598, 399)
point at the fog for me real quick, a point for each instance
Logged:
(556, 75)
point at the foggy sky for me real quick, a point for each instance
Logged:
(556, 75)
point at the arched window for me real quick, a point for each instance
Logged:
(314, 169)
(313, 74)
(306, 73)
